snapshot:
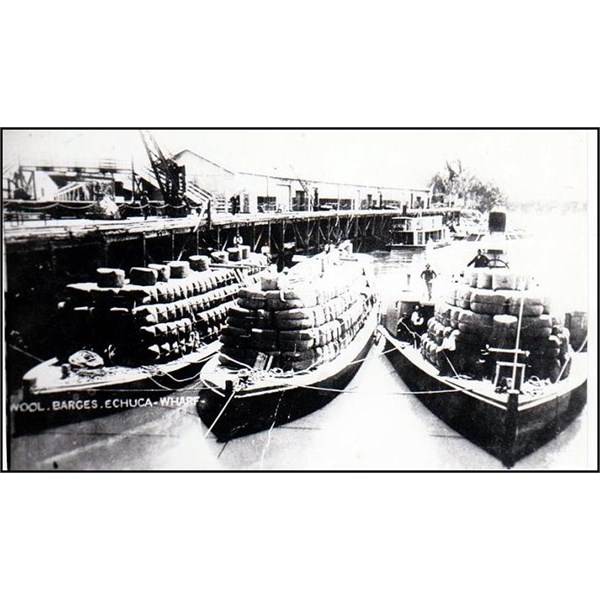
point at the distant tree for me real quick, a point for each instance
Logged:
(460, 186)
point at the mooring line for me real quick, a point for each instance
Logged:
(25, 353)
(219, 415)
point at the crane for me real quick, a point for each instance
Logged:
(169, 175)
(311, 198)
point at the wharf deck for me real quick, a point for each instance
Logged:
(70, 229)
(66, 230)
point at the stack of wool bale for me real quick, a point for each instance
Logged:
(299, 320)
(159, 314)
(484, 309)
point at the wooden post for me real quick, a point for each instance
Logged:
(106, 252)
(510, 430)
(53, 261)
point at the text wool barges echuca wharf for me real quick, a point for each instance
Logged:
(248, 289)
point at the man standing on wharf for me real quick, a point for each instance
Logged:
(428, 275)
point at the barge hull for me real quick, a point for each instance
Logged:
(251, 414)
(507, 435)
(36, 412)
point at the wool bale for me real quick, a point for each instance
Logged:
(184, 289)
(468, 316)
(148, 334)
(522, 282)
(504, 280)
(80, 293)
(484, 279)
(452, 297)
(536, 322)
(577, 324)
(304, 294)
(488, 302)
(287, 324)
(120, 317)
(544, 351)
(219, 257)
(471, 278)
(152, 354)
(454, 316)
(163, 271)
(468, 341)
(177, 287)
(274, 301)
(532, 306)
(464, 298)
(110, 278)
(134, 295)
(536, 327)
(296, 345)
(253, 293)
(269, 281)
(476, 323)
(199, 263)
(162, 332)
(201, 283)
(445, 310)
(180, 269)
(318, 315)
(161, 312)
(163, 292)
(145, 315)
(143, 276)
(233, 254)
(504, 331)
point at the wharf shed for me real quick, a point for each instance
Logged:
(247, 192)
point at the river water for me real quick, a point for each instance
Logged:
(375, 424)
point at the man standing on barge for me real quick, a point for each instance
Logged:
(479, 261)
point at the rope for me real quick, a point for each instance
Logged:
(266, 447)
(366, 358)
(322, 389)
(329, 389)
(582, 345)
(408, 329)
(84, 207)
(165, 387)
(161, 373)
(220, 413)
(213, 389)
(450, 363)
(25, 353)
(236, 361)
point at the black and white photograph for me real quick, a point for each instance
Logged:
(299, 299)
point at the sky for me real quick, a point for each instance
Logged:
(538, 165)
